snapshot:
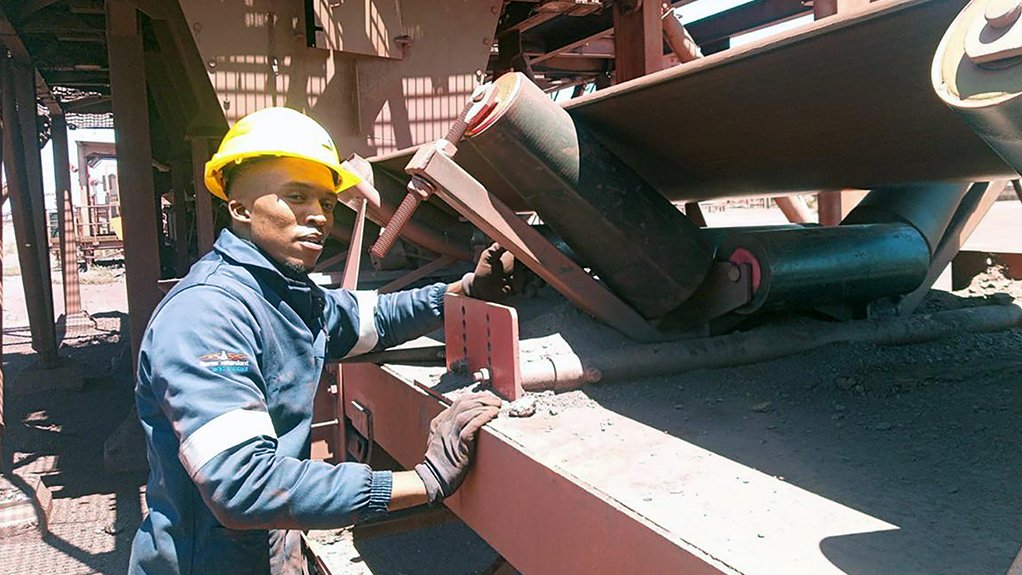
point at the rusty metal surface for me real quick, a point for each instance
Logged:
(483, 335)
(794, 112)
(431, 227)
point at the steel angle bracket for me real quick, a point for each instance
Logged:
(469, 198)
(482, 337)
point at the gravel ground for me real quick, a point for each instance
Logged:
(922, 436)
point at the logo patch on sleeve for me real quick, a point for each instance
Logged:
(225, 361)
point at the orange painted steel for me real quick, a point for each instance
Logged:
(537, 517)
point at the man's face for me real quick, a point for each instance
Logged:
(285, 206)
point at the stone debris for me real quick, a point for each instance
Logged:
(524, 406)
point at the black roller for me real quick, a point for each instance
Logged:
(926, 207)
(803, 268)
(635, 240)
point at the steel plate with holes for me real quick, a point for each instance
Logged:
(484, 335)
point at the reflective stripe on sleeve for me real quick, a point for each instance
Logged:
(368, 337)
(222, 433)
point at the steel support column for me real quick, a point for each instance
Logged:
(22, 183)
(25, 91)
(833, 206)
(638, 40)
(134, 165)
(794, 208)
(203, 199)
(3, 200)
(85, 220)
(65, 228)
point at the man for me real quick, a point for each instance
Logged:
(230, 362)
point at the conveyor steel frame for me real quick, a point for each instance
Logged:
(540, 519)
(468, 197)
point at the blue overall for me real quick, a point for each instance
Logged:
(227, 372)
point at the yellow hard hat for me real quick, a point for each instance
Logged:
(280, 132)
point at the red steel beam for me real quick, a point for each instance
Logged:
(580, 530)
(25, 181)
(134, 166)
(638, 41)
(3, 200)
(65, 217)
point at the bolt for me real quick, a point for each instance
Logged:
(734, 273)
(482, 375)
(1001, 14)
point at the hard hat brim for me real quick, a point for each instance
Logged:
(213, 173)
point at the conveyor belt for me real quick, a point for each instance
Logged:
(842, 103)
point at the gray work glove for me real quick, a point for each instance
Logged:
(493, 278)
(451, 443)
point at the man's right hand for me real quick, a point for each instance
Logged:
(451, 443)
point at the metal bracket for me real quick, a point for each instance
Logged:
(727, 287)
(483, 337)
(360, 444)
(469, 198)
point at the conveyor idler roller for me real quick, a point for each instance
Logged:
(635, 240)
(802, 268)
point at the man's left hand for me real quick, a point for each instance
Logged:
(494, 276)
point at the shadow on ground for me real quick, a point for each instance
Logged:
(59, 436)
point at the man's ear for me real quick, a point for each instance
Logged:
(239, 211)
